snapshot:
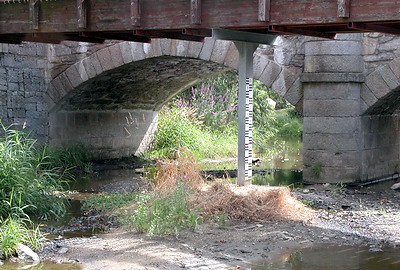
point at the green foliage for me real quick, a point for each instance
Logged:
(13, 231)
(178, 128)
(316, 170)
(308, 203)
(107, 202)
(159, 214)
(23, 180)
(76, 156)
(221, 220)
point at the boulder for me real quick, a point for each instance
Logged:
(396, 186)
(27, 254)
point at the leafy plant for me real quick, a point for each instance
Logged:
(159, 214)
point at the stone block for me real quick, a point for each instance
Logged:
(377, 84)
(219, 51)
(195, 49)
(90, 70)
(390, 78)
(155, 48)
(333, 77)
(332, 142)
(332, 108)
(367, 96)
(295, 92)
(232, 58)
(137, 51)
(260, 61)
(270, 73)
(395, 66)
(369, 45)
(116, 55)
(105, 59)
(332, 175)
(182, 48)
(126, 52)
(323, 91)
(165, 45)
(74, 76)
(332, 125)
(57, 92)
(95, 63)
(333, 64)
(333, 47)
(283, 82)
(207, 49)
(332, 158)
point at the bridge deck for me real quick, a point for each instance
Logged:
(139, 20)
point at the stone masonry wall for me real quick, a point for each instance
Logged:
(111, 134)
(23, 85)
(381, 146)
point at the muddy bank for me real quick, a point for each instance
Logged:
(361, 217)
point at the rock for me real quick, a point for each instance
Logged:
(63, 250)
(396, 186)
(375, 250)
(27, 254)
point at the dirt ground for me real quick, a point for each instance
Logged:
(368, 217)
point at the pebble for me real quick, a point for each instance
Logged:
(375, 250)
(62, 250)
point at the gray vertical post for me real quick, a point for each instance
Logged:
(245, 112)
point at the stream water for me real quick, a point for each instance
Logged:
(333, 257)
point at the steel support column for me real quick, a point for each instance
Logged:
(245, 112)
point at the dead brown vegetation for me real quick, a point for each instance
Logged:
(252, 203)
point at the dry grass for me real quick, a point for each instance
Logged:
(251, 203)
(183, 169)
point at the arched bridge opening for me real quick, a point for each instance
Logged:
(111, 102)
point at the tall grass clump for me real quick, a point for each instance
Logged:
(23, 180)
(14, 231)
(66, 158)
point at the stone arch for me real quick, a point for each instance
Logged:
(284, 81)
(381, 91)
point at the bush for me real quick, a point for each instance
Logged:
(24, 182)
(160, 213)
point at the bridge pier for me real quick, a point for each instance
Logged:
(332, 82)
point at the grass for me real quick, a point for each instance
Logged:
(24, 182)
(178, 127)
(107, 202)
(14, 231)
(164, 213)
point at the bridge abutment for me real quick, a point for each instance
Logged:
(332, 117)
(110, 134)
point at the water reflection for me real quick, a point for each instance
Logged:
(333, 257)
(46, 265)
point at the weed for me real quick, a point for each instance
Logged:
(316, 170)
(159, 213)
(221, 220)
(308, 203)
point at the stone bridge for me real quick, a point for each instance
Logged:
(107, 95)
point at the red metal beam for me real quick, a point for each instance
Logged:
(197, 32)
(299, 31)
(373, 28)
(172, 35)
(116, 36)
